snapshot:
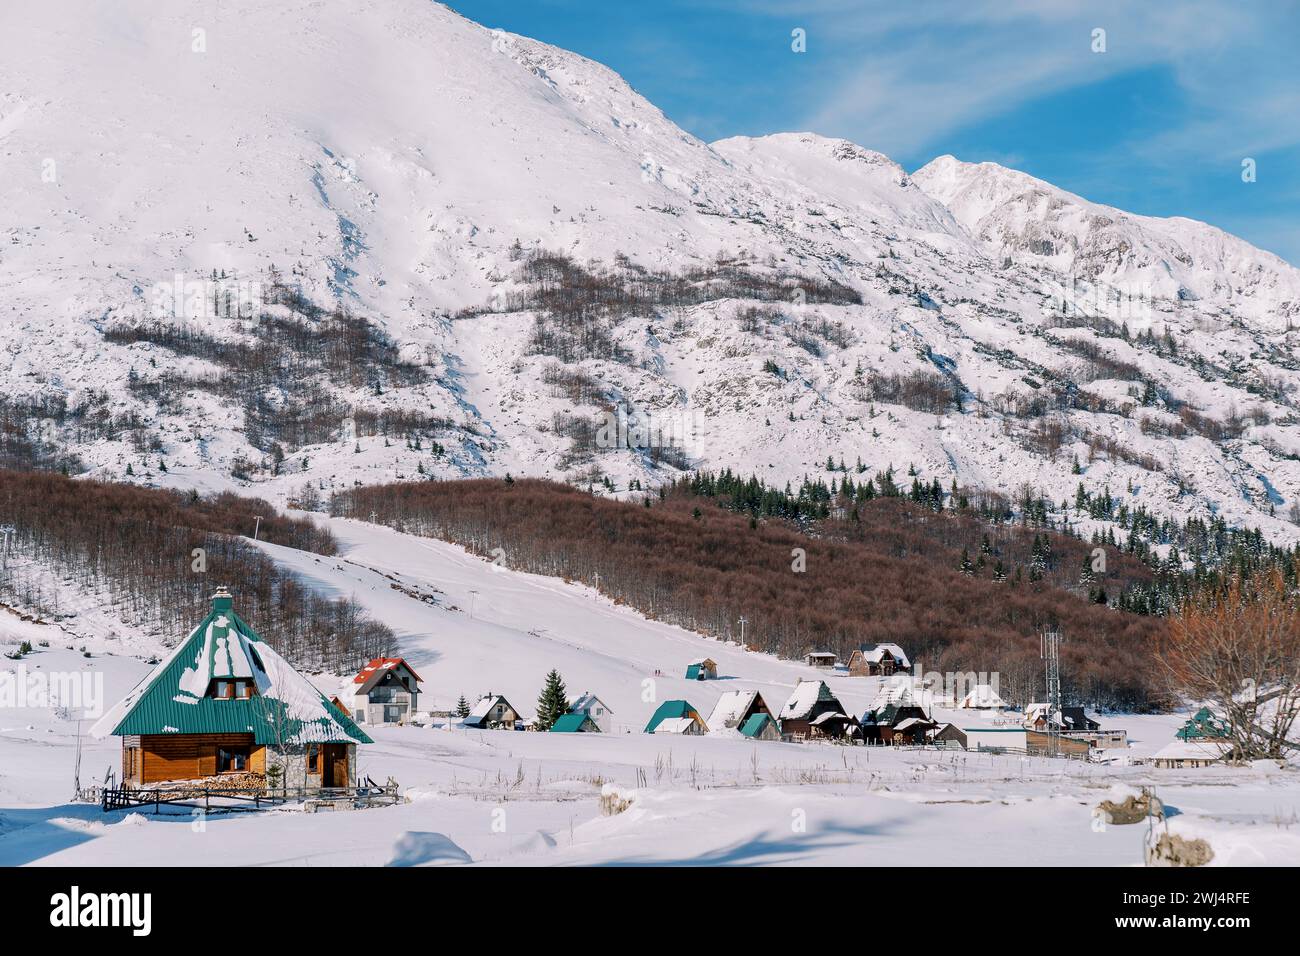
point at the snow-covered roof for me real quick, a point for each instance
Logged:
(730, 709)
(675, 725)
(1190, 750)
(912, 722)
(805, 697)
(983, 696)
(829, 716)
(875, 653)
(586, 702)
(284, 707)
(900, 689)
(702, 661)
(485, 705)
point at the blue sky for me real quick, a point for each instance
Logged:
(1159, 123)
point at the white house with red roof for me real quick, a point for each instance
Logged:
(387, 691)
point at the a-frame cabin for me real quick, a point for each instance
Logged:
(225, 704)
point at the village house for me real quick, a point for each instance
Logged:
(897, 724)
(595, 708)
(1202, 740)
(575, 723)
(386, 691)
(676, 717)
(1074, 723)
(703, 669)
(734, 708)
(811, 700)
(493, 712)
(822, 659)
(224, 704)
(1197, 752)
(1203, 725)
(878, 660)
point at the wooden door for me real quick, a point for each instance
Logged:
(335, 760)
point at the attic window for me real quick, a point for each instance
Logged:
(239, 688)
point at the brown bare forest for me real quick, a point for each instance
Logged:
(136, 546)
(891, 574)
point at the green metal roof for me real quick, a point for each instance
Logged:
(284, 709)
(754, 726)
(693, 672)
(571, 724)
(667, 710)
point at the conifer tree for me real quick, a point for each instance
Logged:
(552, 703)
(462, 707)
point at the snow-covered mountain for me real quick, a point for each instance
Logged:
(1016, 216)
(396, 159)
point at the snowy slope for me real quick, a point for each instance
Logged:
(499, 797)
(388, 155)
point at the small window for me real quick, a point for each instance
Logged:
(313, 758)
(232, 759)
(224, 690)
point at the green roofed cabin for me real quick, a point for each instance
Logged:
(703, 669)
(225, 704)
(1203, 725)
(676, 716)
(574, 724)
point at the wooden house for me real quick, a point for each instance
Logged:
(949, 735)
(493, 712)
(882, 726)
(225, 704)
(595, 708)
(703, 669)
(676, 717)
(811, 699)
(386, 691)
(878, 660)
(734, 708)
(1037, 742)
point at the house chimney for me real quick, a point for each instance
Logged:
(221, 599)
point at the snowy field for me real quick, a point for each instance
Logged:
(501, 797)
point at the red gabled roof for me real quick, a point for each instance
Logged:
(379, 664)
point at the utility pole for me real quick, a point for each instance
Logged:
(743, 621)
(1050, 647)
(257, 527)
